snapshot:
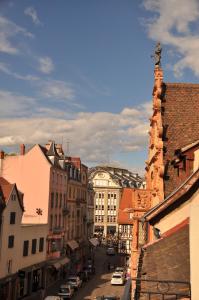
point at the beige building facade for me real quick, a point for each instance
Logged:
(22, 247)
(108, 183)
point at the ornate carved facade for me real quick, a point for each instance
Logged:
(154, 164)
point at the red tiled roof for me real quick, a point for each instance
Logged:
(125, 202)
(6, 188)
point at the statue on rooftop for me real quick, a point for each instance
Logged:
(157, 55)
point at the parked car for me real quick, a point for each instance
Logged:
(66, 291)
(53, 298)
(74, 281)
(110, 251)
(117, 279)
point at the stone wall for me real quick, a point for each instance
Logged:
(167, 259)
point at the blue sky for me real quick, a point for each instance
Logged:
(81, 71)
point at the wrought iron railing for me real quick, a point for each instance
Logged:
(147, 289)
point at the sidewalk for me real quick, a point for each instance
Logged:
(50, 291)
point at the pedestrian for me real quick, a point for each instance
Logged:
(109, 266)
(42, 293)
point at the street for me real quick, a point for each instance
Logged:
(99, 284)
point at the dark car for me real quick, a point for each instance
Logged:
(84, 275)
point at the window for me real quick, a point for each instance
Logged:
(56, 203)
(34, 246)
(70, 192)
(60, 203)
(11, 241)
(52, 200)
(102, 207)
(25, 248)
(114, 196)
(12, 217)
(9, 266)
(109, 196)
(55, 225)
(13, 197)
(100, 195)
(64, 200)
(41, 244)
(51, 222)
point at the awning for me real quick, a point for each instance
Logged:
(64, 261)
(94, 242)
(73, 244)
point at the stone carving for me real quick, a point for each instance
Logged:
(157, 55)
(143, 199)
(155, 158)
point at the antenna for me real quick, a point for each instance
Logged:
(67, 147)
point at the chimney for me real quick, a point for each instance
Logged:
(22, 149)
(2, 154)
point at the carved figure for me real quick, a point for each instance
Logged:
(157, 56)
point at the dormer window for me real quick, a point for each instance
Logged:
(13, 197)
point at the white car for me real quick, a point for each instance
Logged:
(117, 279)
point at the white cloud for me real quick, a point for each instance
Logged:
(46, 65)
(92, 136)
(15, 105)
(5, 69)
(173, 25)
(8, 31)
(57, 89)
(53, 89)
(31, 12)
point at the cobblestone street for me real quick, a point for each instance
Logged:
(99, 284)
